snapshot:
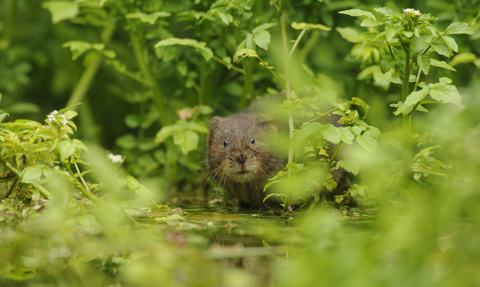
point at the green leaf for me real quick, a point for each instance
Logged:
(67, 148)
(302, 134)
(451, 43)
(349, 34)
(386, 11)
(308, 26)
(463, 58)
(367, 142)
(262, 39)
(77, 48)
(459, 28)
(166, 132)
(446, 94)
(441, 64)
(186, 140)
(369, 23)
(359, 102)
(412, 100)
(347, 136)
(263, 27)
(390, 32)
(245, 53)
(387, 64)
(424, 63)
(127, 141)
(359, 13)
(441, 48)
(339, 198)
(3, 116)
(61, 10)
(31, 173)
(201, 46)
(148, 18)
(350, 165)
(331, 133)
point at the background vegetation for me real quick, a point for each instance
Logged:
(147, 93)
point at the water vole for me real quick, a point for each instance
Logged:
(240, 155)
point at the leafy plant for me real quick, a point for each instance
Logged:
(401, 49)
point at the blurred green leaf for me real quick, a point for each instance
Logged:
(150, 18)
(349, 165)
(201, 46)
(459, 28)
(61, 10)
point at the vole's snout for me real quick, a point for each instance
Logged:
(241, 159)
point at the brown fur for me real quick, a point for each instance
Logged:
(243, 167)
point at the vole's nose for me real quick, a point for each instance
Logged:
(241, 159)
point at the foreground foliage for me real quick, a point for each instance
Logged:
(71, 216)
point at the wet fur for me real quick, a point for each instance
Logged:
(243, 167)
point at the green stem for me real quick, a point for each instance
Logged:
(296, 42)
(332, 158)
(7, 31)
(12, 188)
(84, 190)
(142, 62)
(230, 66)
(287, 84)
(83, 85)
(407, 153)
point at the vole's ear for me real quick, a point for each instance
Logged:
(215, 121)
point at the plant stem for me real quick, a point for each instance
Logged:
(85, 81)
(406, 153)
(140, 57)
(230, 66)
(339, 147)
(296, 42)
(287, 84)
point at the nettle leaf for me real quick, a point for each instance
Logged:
(148, 18)
(349, 165)
(349, 34)
(262, 39)
(308, 26)
(446, 94)
(424, 63)
(61, 10)
(459, 28)
(441, 64)
(263, 27)
(367, 142)
(302, 134)
(413, 99)
(200, 46)
(331, 133)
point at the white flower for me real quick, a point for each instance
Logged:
(51, 117)
(115, 158)
(410, 11)
(47, 127)
(55, 112)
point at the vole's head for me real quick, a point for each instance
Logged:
(238, 148)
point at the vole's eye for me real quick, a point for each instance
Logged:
(225, 143)
(252, 141)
